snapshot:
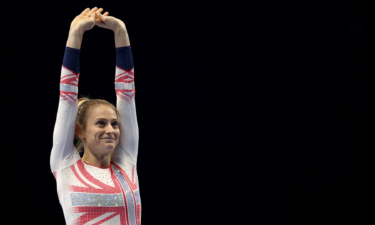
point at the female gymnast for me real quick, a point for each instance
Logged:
(102, 186)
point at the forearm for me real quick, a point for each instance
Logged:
(74, 39)
(63, 133)
(125, 91)
(121, 37)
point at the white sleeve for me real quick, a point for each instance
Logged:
(126, 151)
(64, 152)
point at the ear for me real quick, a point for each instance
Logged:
(78, 131)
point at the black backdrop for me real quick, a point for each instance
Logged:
(248, 114)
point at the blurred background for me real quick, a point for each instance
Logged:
(249, 113)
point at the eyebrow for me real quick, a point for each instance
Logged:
(104, 119)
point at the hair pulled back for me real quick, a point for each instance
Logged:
(85, 105)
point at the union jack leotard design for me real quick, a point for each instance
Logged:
(89, 194)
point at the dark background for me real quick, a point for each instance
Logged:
(250, 113)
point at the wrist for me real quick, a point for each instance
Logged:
(75, 38)
(120, 28)
(121, 38)
(76, 32)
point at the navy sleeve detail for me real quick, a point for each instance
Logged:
(71, 59)
(124, 58)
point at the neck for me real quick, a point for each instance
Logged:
(102, 161)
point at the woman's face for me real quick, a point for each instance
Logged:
(102, 130)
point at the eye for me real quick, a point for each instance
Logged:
(101, 122)
(115, 124)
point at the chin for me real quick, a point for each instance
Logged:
(110, 147)
(107, 148)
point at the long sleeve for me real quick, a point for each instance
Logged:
(126, 151)
(64, 152)
(89, 194)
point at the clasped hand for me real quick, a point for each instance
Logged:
(89, 18)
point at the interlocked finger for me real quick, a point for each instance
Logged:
(84, 12)
(100, 10)
(106, 14)
(92, 11)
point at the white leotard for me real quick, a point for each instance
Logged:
(89, 194)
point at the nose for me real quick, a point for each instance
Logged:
(109, 129)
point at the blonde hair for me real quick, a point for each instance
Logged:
(85, 104)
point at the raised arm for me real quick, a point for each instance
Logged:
(125, 90)
(63, 151)
(126, 151)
